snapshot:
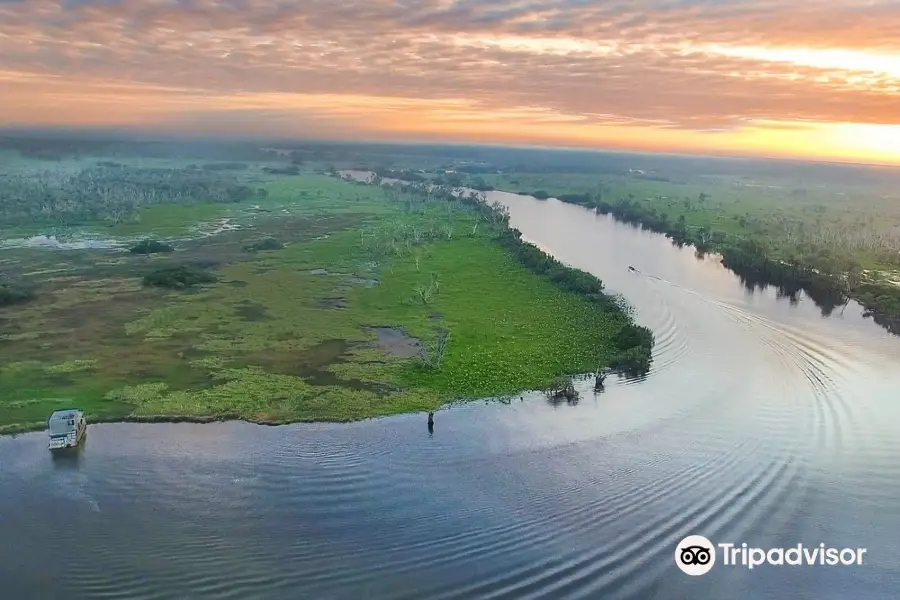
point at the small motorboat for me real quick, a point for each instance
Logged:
(632, 269)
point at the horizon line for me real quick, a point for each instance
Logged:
(141, 136)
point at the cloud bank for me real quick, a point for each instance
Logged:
(638, 73)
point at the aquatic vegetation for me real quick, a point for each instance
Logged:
(22, 366)
(137, 394)
(259, 340)
(73, 366)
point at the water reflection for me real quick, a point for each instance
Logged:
(68, 459)
(760, 422)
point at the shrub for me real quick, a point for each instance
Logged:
(179, 277)
(151, 247)
(11, 293)
(266, 244)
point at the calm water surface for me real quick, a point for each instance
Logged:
(761, 423)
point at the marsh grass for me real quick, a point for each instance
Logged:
(268, 349)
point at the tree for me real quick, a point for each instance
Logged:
(423, 293)
(600, 377)
(704, 237)
(562, 387)
(11, 293)
(601, 191)
(433, 357)
(852, 279)
(150, 247)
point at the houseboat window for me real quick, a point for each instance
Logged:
(59, 426)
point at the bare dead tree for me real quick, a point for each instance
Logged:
(433, 358)
(423, 293)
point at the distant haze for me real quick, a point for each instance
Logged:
(813, 79)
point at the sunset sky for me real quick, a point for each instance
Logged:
(808, 78)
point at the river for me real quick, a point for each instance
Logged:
(761, 422)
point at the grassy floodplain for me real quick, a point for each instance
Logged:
(836, 241)
(862, 221)
(328, 327)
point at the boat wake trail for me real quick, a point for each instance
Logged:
(750, 427)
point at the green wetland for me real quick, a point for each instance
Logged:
(761, 420)
(289, 298)
(832, 231)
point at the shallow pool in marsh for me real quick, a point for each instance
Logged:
(762, 422)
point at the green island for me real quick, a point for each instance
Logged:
(258, 290)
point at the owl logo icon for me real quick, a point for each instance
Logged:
(695, 555)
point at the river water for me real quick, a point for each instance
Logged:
(760, 423)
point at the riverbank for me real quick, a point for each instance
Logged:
(829, 278)
(376, 304)
(150, 419)
(753, 261)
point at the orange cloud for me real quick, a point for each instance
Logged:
(690, 75)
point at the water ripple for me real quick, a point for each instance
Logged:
(749, 427)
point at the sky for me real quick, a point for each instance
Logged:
(813, 79)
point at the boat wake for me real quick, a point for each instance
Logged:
(750, 427)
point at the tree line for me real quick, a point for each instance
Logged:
(829, 277)
(109, 193)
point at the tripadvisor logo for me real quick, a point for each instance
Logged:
(696, 555)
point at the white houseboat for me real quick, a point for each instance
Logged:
(67, 429)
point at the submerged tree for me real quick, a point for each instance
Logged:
(562, 388)
(600, 377)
